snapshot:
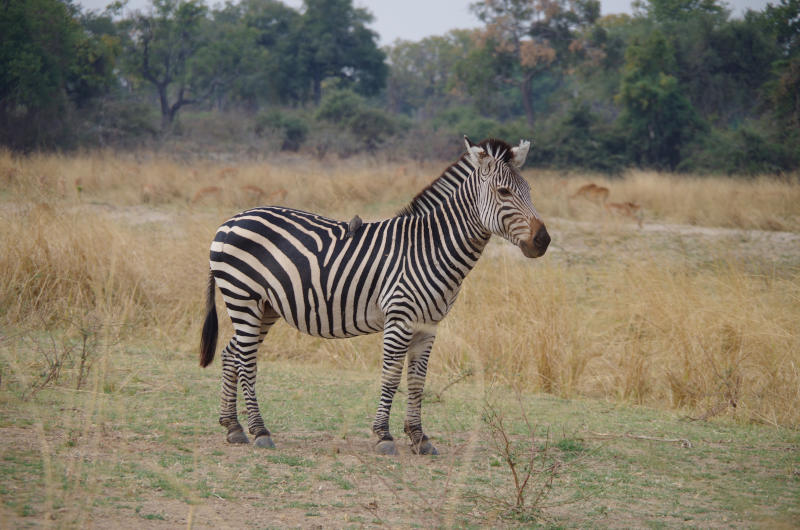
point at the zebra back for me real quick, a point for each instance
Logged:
(448, 182)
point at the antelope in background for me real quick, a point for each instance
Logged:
(599, 196)
(626, 209)
(592, 192)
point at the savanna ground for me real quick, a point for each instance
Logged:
(646, 376)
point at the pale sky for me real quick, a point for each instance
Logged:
(417, 19)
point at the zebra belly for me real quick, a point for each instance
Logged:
(337, 320)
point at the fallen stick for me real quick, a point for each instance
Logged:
(683, 441)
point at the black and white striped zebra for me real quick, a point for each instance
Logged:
(400, 276)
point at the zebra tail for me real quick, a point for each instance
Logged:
(208, 341)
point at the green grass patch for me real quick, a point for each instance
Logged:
(618, 465)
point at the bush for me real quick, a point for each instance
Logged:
(459, 121)
(580, 140)
(369, 126)
(422, 143)
(292, 129)
(744, 151)
(119, 122)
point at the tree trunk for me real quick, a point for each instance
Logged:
(317, 87)
(166, 113)
(525, 89)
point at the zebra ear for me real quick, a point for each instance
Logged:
(477, 154)
(520, 153)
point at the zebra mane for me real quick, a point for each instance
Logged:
(438, 191)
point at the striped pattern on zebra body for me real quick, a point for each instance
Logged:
(335, 279)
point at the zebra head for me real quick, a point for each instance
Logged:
(504, 197)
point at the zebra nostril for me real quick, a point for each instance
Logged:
(542, 238)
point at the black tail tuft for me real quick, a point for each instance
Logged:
(208, 342)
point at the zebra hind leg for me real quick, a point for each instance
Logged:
(228, 417)
(239, 366)
(247, 373)
(418, 354)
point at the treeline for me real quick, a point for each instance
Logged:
(678, 86)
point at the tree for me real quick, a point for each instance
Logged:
(276, 75)
(783, 91)
(679, 11)
(186, 58)
(421, 76)
(783, 18)
(527, 38)
(337, 44)
(49, 65)
(657, 116)
(229, 55)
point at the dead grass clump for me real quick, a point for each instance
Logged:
(520, 324)
(63, 265)
(64, 261)
(644, 332)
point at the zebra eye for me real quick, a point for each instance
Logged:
(504, 192)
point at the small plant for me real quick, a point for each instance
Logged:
(531, 463)
(65, 345)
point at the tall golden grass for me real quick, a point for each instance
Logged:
(124, 238)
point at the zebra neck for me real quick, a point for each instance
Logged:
(438, 191)
(461, 235)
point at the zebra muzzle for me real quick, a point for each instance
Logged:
(537, 244)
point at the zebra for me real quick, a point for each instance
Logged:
(400, 276)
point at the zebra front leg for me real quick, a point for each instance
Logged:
(418, 354)
(396, 338)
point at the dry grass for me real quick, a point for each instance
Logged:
(764, 203)
(636, 331)
(124, 238)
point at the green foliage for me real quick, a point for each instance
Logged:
(336, 43)
(49, 65)
(423, 73)
(744, 151)
(292, 128)
(783, 21)
(784, 98)
(525, 40)
(276, 76)
(370, 126)
(677, 10)
(657, 117)
(677, 86)
(124, 121)
(581, 139)
(158, 47)
(458, 121)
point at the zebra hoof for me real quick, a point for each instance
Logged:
(386, 447)
(425, 448)
(238, 437)
(264, 441)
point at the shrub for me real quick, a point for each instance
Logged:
(124, 120)
(458, 121)
(369, 126)
(744, 151)
(580, 139)
(292, 129)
